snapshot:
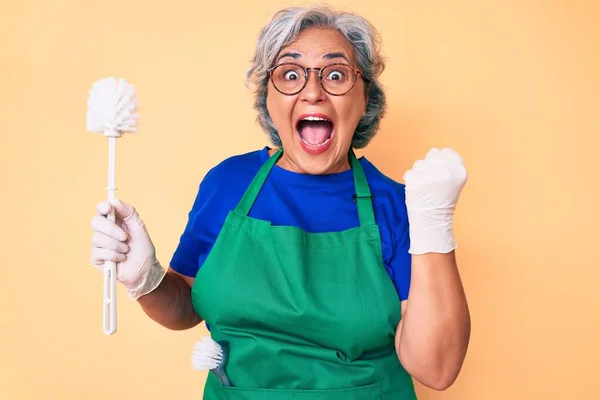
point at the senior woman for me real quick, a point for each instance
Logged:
(301, 256)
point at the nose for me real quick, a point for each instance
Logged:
(313, 92)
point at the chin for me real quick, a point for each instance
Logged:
(327, 159)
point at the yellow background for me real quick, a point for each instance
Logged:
(512, 85)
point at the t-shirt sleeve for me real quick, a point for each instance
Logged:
(200, 231)
(400, 263)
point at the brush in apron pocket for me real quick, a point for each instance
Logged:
(213, 356)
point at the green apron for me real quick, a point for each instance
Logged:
(306, 315)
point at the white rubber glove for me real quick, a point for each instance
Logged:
(127, 243)
(433, 186)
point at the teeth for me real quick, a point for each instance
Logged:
(316, 145)
(311, 118)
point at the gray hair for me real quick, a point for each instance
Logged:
(360, 34)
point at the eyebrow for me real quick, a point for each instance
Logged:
(292, 55)
(328, 56)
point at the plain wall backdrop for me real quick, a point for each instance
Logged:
(512, 85)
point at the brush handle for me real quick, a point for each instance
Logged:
(220, 370)
(110, 268)
(222, 377)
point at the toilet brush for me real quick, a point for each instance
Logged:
(111, 111)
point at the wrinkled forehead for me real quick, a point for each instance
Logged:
(318, 45)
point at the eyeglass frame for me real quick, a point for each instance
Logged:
(357, 73)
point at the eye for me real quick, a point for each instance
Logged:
(290, 75)
(335, 75)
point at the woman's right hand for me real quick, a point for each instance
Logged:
(127, 243)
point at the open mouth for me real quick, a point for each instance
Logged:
(315, 131)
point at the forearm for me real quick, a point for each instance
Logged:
(433, 336)
(170, 304)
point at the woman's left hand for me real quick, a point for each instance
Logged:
(433, 187)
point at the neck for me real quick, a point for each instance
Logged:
(287, 163)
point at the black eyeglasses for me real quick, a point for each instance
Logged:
(335, 79)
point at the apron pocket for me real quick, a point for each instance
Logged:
(368, 392)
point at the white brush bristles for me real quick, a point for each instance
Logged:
(111, 107)
(207, 354)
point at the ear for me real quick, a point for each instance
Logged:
(366, 90)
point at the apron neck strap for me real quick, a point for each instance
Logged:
(256, 185)
(362, 197)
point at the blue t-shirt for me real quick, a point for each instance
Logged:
(315, 203)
